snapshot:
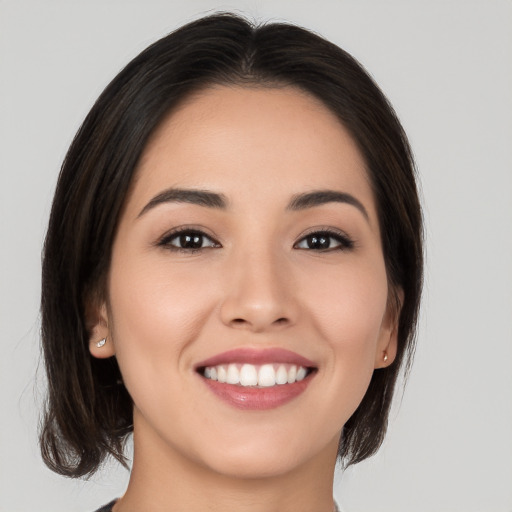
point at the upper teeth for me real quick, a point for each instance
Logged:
(265, 375)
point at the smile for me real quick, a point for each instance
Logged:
(257, 379)
(264, 376)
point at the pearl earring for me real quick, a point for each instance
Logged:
(385, 356)
(101, 342)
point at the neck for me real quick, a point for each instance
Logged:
(163, 479)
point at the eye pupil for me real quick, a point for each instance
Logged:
(191, 241)
(318, 242)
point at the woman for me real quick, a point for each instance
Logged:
(232, 272)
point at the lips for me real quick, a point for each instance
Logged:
(257, 379)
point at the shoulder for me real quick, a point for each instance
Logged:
(107, 507)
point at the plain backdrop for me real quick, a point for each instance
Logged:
(447, 68)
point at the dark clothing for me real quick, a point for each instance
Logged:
(107, 508)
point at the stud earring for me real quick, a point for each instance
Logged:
(385, 356)
(101, 342)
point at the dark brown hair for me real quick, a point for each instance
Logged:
(88, 414)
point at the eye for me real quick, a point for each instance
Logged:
(325, 240)
(187, 240)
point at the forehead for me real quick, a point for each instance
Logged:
(267, 140)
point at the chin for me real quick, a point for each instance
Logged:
(267, 454)
(257, 464)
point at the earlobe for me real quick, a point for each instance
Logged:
(100, 342)
(388, 343)
(385, 357)
(101, 348)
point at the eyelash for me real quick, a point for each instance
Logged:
(165, 241)
(344, 242)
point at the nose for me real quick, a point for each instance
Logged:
(259, 293)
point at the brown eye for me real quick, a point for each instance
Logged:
(325, 241)
(188, 240)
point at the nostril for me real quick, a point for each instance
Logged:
(241, 321)
(256, 319)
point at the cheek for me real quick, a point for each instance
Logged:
(157, 302)
(349, 304)
(155, 314)
(348, 307)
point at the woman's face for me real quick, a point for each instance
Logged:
(248, 248)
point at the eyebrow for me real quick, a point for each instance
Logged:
(320, 197)
(192, 196)
(219, 201)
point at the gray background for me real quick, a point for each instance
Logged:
(446, 67)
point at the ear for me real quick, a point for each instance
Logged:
(100, 341)
(388, 337)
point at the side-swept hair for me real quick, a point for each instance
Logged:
(88, 413)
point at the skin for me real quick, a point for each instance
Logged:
(257, 284)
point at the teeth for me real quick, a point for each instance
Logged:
(248, 375)
(301, 373)
(266, 375)
(221, 374)
(281, 375)
(292, 374)
(233, 376)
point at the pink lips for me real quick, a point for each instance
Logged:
(254, 398)
(255, 356)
